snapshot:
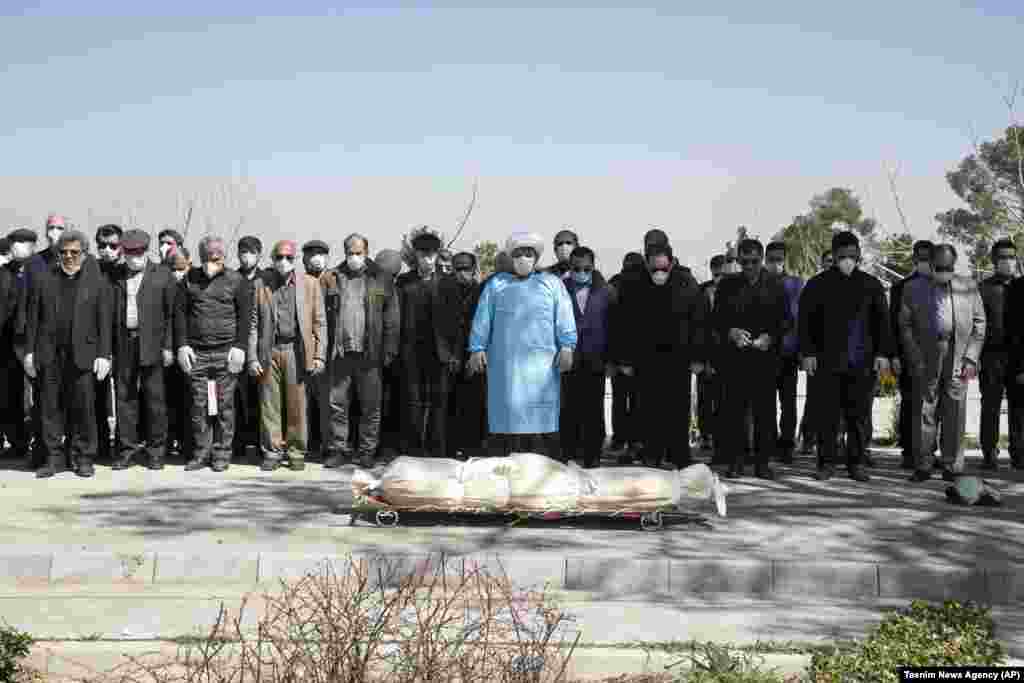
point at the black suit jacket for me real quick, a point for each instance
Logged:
(91, 325)
(764, 313)
(155, 303)
(445, 301)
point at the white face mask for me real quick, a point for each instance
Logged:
(1007, 267)
(523, 265)
(249, 260)
(317, 262)
(356, 262)
(563, 252)
(108, 255)
(21, 251)
(4, 260)
(943, 278)
(426, 262)
(924, 268)
(846, 265)
(179, 275)
(284, 267)
(136, 263)
(53, 234)
(211, 269)
(660, 277)
(165, 249)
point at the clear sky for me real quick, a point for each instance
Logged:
(610, 120)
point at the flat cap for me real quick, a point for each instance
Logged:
(135, 241)
(23, 235)
(426, 241)
(316, 245)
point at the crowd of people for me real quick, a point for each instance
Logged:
(116, 357)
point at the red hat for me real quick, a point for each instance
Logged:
(54, 221)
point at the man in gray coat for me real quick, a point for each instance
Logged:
(942, 330)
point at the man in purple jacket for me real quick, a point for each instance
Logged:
(785, 383)
(582, 419)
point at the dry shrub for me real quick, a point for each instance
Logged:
(378, 625)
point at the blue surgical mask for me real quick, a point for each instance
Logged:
(583, 279)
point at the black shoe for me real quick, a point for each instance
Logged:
(825, 473)
(220, 466)
(1017, 464)
(869, 462)
(786, 456)
(734, 472)
(269, 465)
(85, 469)
(124, 463)
(764, 472)
(367, 462)
(920, 475)
(195, 464)
(948, 474)
(336, 460)
(45, 472)
(858, 474)
(937, 465)
(155, 464)
(989, 465)
(682, 463)
(624, 459)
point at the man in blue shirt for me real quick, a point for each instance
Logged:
(785, 383)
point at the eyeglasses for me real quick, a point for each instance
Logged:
(463, 269)
(943, 269)
(108, 245)
(749, 261)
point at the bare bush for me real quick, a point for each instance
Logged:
(377, 624)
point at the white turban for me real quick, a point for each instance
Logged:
(525, 239)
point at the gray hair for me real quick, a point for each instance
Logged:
(354, 237)
(210, 244)
(73, 235)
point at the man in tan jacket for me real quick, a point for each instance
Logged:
(942, 330)
(287, 345)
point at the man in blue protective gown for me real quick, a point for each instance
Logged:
(523, 335)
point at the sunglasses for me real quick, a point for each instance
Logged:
(463, 269)
(943, 269)
(284, 258)
(108, 245)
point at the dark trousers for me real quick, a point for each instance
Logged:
(392, 404)
(995, 381)
(467, 413)
(709, 403)
(212, 437)
(749, 386)
(624, 403)
(581, 420)
(427, 386)
(501, 445)
(348, 373)
(140, 390)
(665, 396)
(906, 421)
(247, 413)
(849, 395)
(67, 407)
(179, 409)
(785, 387)
(12, 405)
(105, 447)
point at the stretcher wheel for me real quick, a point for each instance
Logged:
(386, 518)
(652, 521)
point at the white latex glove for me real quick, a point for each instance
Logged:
(168, 358)
(626, 370)
(101, 366)
(478, 362)
(255, 369)
(564, 360)
(810, 365)
(236, 360)
(318, 368)
(740, 338)
(881, 365)
(186, 359)
(30, 366)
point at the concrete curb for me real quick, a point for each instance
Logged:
(606, 579)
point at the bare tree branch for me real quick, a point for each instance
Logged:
(891, 172)
(1011, 100)
(465, 217)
